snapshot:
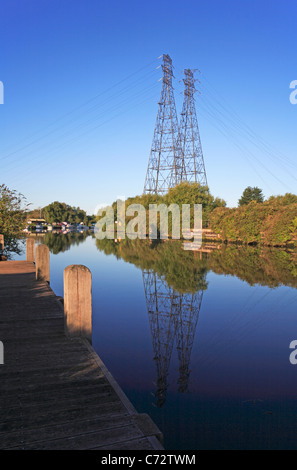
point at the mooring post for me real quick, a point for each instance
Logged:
(42, 263)
(30, 250)
(78, 301)
(1, 242)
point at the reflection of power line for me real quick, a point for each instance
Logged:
(172, 316)
(239, 327)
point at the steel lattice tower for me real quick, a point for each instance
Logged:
(193, 161)
(165, 163)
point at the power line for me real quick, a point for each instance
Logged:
(41, 163)
(69, 113)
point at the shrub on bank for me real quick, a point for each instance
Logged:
(273, 222)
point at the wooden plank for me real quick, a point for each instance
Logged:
(65, 416)
(55, 392)
(58, 431)
(136, 444)
(87, 440)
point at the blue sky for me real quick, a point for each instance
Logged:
(81, 91)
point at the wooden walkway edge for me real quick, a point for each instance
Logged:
(55, 392)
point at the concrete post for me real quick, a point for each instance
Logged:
(1, 242)
(78, 301)
(30, 249)
(42, 263)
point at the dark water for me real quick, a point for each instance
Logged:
(200, 342)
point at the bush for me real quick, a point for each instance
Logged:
(273, 222)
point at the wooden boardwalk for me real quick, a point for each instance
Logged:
(55, 392)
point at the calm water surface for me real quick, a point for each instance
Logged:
(201, 345)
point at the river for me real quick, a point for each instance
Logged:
(199, 341)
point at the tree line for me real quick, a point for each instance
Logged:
(62, 212)
(254, 220)
(271, 222)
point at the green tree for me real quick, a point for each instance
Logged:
(184, 193)
(13, 207)
(61, 212)
(194, 193)
(251, 194)
(285, 200)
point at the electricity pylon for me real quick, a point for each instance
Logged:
(193, 161)
(166, 161)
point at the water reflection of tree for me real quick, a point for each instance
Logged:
(265, 266)
(180, 268)
(174, 281)
(58, 242)
(13, 246)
